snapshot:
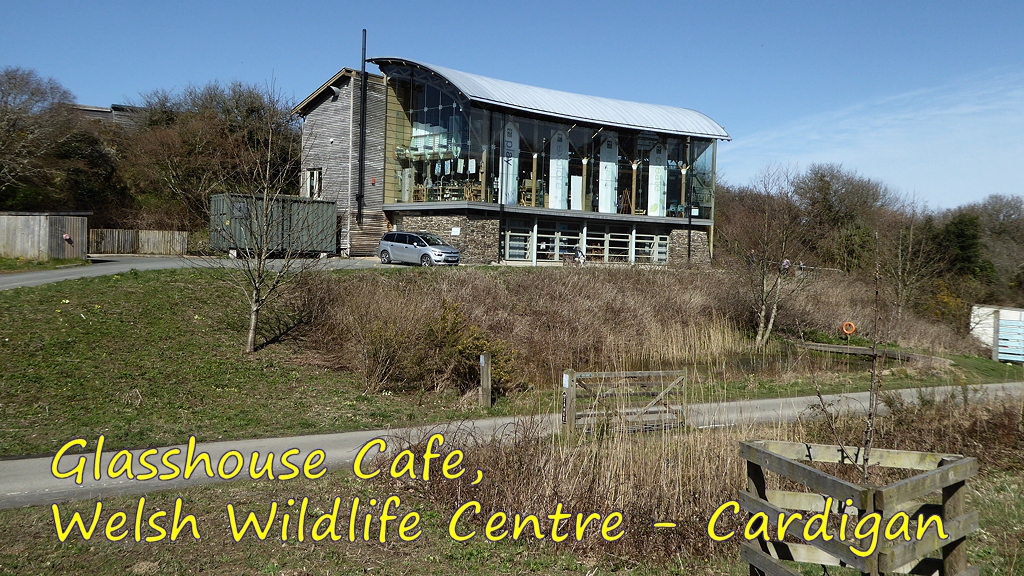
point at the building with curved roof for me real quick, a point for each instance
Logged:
(511, 172)
(481, 90)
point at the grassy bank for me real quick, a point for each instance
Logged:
(540, 322)
(148, 358)
(23, 265)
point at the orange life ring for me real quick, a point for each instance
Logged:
(849, 328)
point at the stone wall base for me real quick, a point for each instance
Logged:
(477, 237)
(699, 254)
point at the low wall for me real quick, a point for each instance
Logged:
(678, 244)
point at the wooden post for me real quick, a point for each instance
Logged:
(583, 192)
(861, 513)
(485, 379)
(485, 192)
(954, 505)
(995, 335)
(756, 486)
(533, 183)
(569, 401)
(632, 200)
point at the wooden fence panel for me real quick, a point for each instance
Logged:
(113, 241)
(116, 241)
(891, 555)
(24, 236)
(67, 237)
(637, 401)
(162, 242)
(43, 235)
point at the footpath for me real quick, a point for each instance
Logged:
(30, 481)
(107, 264)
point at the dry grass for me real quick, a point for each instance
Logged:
(990, 430)
(682, 476)
(830, 299)
(424, 329)
(547, 320)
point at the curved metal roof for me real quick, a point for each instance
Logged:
(595, 109)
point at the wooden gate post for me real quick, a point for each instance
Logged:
(485, 379)
(756, 486)
(995, 335)
(569, 401)
(954, 504)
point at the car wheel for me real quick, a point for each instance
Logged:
(425, 260)
(385, 257)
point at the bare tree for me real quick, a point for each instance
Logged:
(181, 165)
(240, 142)
(272, 233)
(768, 229)
(907, 262)
(35, 117)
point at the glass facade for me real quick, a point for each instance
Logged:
(440, 148)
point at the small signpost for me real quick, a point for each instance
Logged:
(485, 379)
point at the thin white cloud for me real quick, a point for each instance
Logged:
(949, 145)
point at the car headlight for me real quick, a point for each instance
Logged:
(437, 253)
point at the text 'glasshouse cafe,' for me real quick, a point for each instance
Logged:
(510, 172)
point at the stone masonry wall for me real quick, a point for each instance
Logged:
(477, 239)
(701, 254)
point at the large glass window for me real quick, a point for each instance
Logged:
(427, 141)
(440, 148)
(701, 179)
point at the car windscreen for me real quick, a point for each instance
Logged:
(432, 240)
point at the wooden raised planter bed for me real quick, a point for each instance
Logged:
(945, 473)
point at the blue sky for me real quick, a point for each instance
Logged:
(927, 97)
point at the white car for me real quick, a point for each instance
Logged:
(421, 248)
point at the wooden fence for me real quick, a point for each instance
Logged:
(628, 401)
(43, 235)
(115, 241)
(940, 473)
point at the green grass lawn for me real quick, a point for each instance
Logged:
(148, 358)
(23, 265)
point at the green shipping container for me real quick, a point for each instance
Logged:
(285, 224)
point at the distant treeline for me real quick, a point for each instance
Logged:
(154, 169)
(937, 262)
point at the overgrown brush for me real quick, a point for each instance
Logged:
(683, 475)
(424, 329)
(959, 423)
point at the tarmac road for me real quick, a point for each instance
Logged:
(105, 265)
(29, 481)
